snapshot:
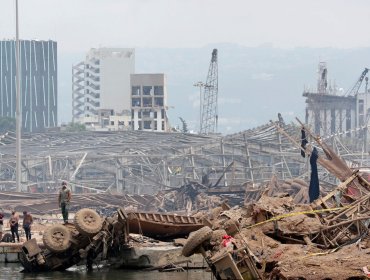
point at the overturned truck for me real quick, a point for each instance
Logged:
(90, 236)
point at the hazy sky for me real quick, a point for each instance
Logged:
(78, 25)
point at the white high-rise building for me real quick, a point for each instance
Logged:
(101, 83)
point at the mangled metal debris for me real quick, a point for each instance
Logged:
(275, 238)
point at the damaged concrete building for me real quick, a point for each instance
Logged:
(330, 111)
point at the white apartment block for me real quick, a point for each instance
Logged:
(149, 102)
(101, 84)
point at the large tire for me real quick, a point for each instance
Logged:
(57, 238)
(88, 222)
(217, 235)
(196, 239)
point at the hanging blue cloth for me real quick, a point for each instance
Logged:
(314, 189)
(303, 142)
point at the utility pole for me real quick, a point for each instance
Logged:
(200, 85)
(18, 118)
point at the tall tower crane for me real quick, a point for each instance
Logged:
(210, 109)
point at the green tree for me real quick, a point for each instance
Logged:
(75, 127)
(7, 124)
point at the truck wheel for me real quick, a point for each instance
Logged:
(196, 239)
(57, 238)
(88, 222)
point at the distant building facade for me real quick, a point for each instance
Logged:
(101, 86)
(149, 102)
(39, 83)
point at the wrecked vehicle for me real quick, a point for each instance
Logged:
(90, 236)
(68, 244)
(225, 263)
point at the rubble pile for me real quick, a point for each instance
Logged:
(293, 241)
(279, 237)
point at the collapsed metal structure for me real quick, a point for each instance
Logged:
(138, 162)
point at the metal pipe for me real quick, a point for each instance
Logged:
(18, 108)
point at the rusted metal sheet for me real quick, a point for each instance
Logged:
(161, 225)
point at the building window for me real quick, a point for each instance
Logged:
(158, 101)
(155, 126)
(135, 90)
(163, 113)
(146, 114)
(147, 102)
(158, 90)
(139, 114)
(155, 115)
(136, 102)
(147, 90)
(162, 125)
(112, 123)
(147, 125)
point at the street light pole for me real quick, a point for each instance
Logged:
(200, 85)
(18, 121)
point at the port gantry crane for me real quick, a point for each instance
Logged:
(209, 114)
(354, 90)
